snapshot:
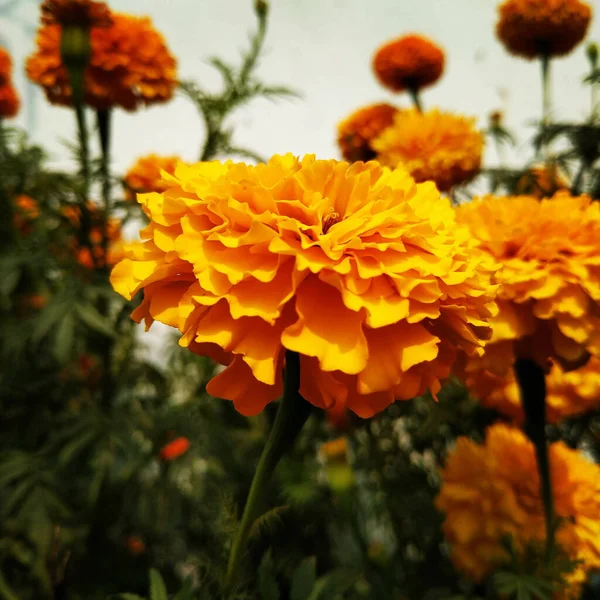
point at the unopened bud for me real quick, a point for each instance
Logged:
(261, 7)
(592, 53)
(75, 52)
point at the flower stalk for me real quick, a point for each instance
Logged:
(416, 100)
(291, 415)
(532, 385)
(546, 103)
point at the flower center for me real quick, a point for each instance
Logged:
(330, 220)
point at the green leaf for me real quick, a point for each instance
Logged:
(304, 579)
(49, 317)
(267, 583)
(334, 584)
(186, 592)
(158, 591)
(63, 339)
(94, 320)
(128, 597)
(6, 592)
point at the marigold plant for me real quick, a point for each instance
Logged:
(354, 267)
(145, 175)
(432, 146)
(536, 28)
(542, 181)
(357, 131)
(549, 277)
(491, 491)
(411, 62)
(130, 65)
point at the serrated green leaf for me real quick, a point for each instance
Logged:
(94, 320)
(304, 579)
(158, 590)
(267, 583)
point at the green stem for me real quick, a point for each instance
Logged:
(414, 95)
(595, 103)
(546, 102)
(532, 384)
(104, 121)
(292, 414)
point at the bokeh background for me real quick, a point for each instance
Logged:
(323, 50)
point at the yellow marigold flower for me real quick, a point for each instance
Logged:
(411, 62)
(85, 13)
(356, 132)
(354, 267)
(492, 490)
(130, 65)
(146, 174)
(549, 277)
(9, 99)
(94, 256)
(568, 393)
(542, 181)
(534, 28)
(432, 146)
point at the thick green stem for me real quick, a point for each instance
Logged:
(414, 95)
(532, 384)
(546, 103)
(292, 414)
(595, 103)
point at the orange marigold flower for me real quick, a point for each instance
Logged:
(335, 450)
(549, 277)
(490, 491)
(94, 256)
(175, 448)
(146, 175)
(85, 13)
(534, 28)
(354, 267)
(130, 65)
(432, 146)
(356, 132)
(568, 393)
(542, 181)
(9, 99)
(26, 211)
(135, 545)
(411, 62)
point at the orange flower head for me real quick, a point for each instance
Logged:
(26, 211)
(411, 62)
(356, 132)
(9, 99)
(534, 28)
(129, 66)
(433, 146)
(146, 175)
(83, 13)
(92, 255)
(175, 449)
(542, 181)
(491, 491)
(568, 393)
(356, 268)
(549, 277)
(135, 545)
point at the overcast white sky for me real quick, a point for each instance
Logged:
(323, 48)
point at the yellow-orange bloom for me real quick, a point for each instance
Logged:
(146, 174)
(568, 393)
(354, 267)
(356, 132)
(542, 181)
(411, 62)
(9, 99)
(433, 146)
(549, 252)
(92, 255)
(130, 65)
(534, 28)
(84, 13)
(490, 491)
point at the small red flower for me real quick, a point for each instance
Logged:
(175, 448)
